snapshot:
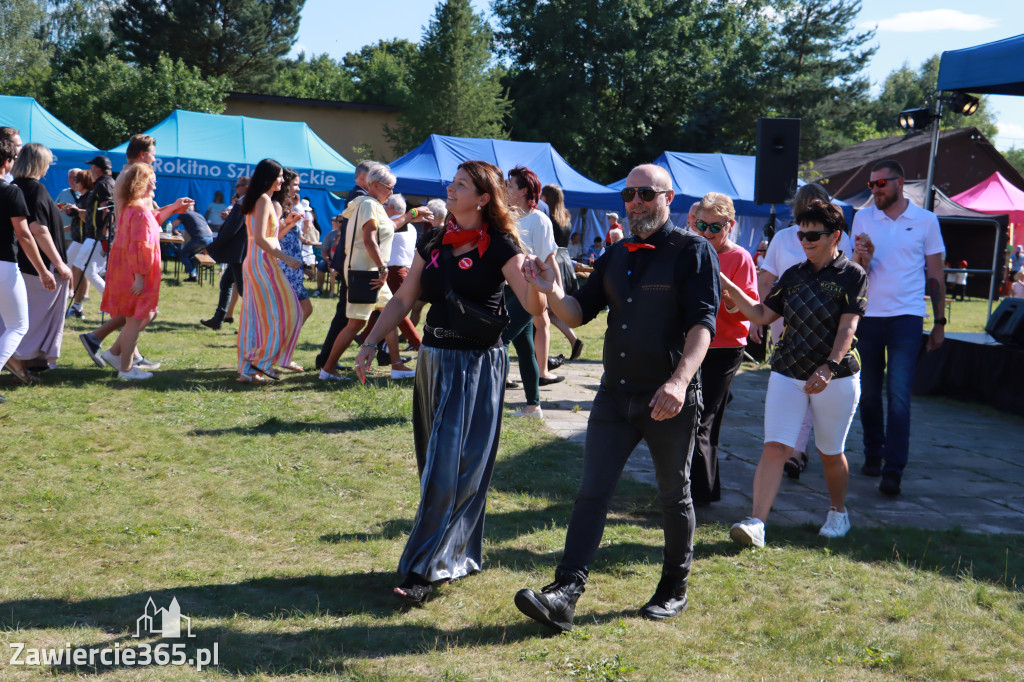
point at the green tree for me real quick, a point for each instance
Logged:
(382, 73)
(110, 100)
(318, 77)
(905, 88)
(241, 39)
(76, 28)
(22, 49)
(456, 87)
(616, 82)
(1016, 158)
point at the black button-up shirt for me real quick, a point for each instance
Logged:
(654, 296)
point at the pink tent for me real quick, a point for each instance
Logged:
(995, 195)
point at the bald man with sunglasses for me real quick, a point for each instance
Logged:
(662, 292)
(900, 246)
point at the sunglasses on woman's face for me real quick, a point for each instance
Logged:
(646, 193)
(714, 227)
(812, 236)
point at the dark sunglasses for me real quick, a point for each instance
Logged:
(881, 182)
(646, 193)
(811, 236)
(714, 227)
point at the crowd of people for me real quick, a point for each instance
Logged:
(494, 264)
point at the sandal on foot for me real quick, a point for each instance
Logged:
(24, 376)
(415, 594)
(252, 379)
(269, 374)
(795, 465)
(292, 367)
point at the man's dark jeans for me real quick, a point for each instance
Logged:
(337, 324)
(232, 277)
(617, 422)
(888, 348)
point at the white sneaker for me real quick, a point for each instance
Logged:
(139, 360)
(327, 376)
(134, 374)
(522, 412)
(748, 532)
(403, 373)
(837, 524)
(113, 360)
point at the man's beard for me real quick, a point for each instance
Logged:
(643, 225)
(884, 201)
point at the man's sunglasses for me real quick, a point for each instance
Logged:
(881, 182)
(646, 193)
(811, 236)
(714, 227)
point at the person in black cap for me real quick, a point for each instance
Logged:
(662, 291)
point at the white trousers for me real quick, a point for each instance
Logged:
(13, 309)
(91, 266)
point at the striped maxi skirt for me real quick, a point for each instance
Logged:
(457, 405)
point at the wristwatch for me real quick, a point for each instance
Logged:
(835, 367)
(940, 321)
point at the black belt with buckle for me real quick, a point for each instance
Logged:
(441, 333)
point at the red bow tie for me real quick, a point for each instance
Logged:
(633, 246)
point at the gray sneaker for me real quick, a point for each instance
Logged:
(92, 347)
(748, 532)
(142, 363)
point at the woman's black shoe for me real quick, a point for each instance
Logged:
(795, 465)
(414, 590)
(547, 381)
(212, 323)
(556, 362)
(577, 350)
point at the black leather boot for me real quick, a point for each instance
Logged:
(555, 604)
(669, 599)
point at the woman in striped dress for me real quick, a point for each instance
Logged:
(271, 319)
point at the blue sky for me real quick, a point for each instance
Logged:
(908, 31)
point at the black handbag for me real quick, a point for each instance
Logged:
(360, 282)
(468, 319)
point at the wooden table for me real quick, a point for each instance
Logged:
(171, 239)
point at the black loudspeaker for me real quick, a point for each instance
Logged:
(1007, 323)
(778, 159)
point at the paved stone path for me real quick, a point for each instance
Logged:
(966, 465)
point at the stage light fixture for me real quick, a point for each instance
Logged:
(916, 119)
(962, 103)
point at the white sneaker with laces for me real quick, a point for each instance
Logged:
(113, 360)
(138, 360)
(837, 524)
(522, 412)
(748, 532)
(327, 376)
(134, 374)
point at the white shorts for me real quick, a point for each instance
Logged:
(73, 248)
(82, 260)
(833, 409)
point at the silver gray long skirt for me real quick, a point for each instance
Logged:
(457, 405)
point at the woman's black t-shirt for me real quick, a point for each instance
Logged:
(476, 278)
(43, 210)
(12, 205)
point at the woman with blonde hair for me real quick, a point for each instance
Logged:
(715, 220)
(460, 373)
(133, 267)
(42, 343)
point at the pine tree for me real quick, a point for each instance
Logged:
(456, 88)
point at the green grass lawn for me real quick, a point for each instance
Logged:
(276, 516)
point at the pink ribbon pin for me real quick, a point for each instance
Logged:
(433, 259)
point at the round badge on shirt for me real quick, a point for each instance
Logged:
(465, 263)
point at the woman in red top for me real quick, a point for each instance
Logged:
(715, 220)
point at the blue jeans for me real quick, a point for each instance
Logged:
(191, 248)
(893, 344)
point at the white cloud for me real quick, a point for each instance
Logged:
(1010, 135)
(933, 20)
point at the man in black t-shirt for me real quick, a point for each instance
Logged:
(662, 292)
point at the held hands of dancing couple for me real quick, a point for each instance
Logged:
(670, 397)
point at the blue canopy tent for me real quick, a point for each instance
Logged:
(992, 69)
(694, 175)
(428, 169)
(36, 124)
(199, 154)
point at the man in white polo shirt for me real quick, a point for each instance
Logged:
(900, 246)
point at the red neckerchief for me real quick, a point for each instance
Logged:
(456, 236)
(633, 246)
